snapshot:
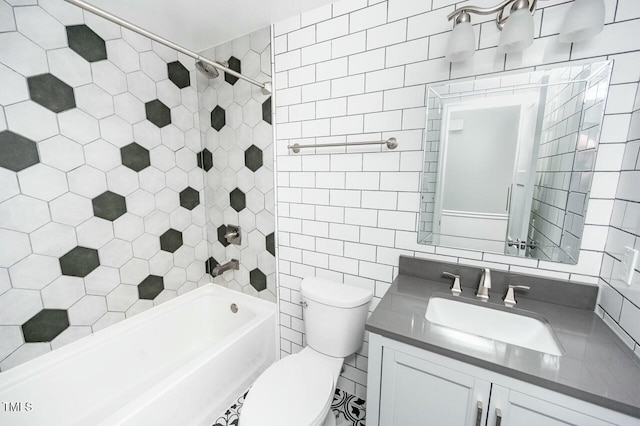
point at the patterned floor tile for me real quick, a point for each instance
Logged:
(348, 409)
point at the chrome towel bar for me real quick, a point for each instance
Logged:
(392, 143)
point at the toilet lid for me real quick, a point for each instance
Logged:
(292, 392)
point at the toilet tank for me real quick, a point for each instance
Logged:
(334, 316)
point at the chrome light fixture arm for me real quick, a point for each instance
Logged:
(462, 14)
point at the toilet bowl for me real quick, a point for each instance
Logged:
(298, 389)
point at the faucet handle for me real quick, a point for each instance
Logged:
(455, 287)
(509, 298)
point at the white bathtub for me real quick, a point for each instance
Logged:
(181, 363)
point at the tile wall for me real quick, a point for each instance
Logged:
(101, 198)
(357, 70)
(238, 160)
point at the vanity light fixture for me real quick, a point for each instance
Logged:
(584, 19)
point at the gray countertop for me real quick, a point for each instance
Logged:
(595, 365)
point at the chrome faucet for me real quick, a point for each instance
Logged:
(220, 269)
(509, 298)
(485, 285)
(456, 290)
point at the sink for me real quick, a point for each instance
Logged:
(508, 327)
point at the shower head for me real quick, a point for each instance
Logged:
(208, 70)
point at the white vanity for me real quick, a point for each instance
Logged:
(426, 370)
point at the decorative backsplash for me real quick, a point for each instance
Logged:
(101, 195)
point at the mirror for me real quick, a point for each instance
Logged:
(508, 161)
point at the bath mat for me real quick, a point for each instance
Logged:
(348, 409)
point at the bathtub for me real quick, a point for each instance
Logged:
(180, 363)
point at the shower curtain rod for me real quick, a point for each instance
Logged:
(266, 87)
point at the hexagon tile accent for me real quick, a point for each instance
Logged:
(271, 243)
(234, 64)
(158, 113)
(189, 198)
(218, 119)
(17, 152)
(51, 92)
(222, 231)
(253, 158)
(79, 262)
(178, 74)
(258, 279)
(238, 200)
(171, 240)
(150, 287)
(266, 110)
(45, 325)
(86, 43)
(109, 205)
(205, 160)
(135, 157)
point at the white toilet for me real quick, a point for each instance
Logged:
(298, 389)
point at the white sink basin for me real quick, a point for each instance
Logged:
(515, 329)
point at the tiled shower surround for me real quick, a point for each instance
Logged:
(102, 175)
(238, 161)
(358, 70)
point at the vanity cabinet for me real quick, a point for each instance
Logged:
(409, 386)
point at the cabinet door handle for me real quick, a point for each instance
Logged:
(479, 413)
(498, 417)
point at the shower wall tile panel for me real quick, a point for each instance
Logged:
(101, 199)
(347, 214)
(238, 162)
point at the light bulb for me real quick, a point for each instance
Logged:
(462, 41)
(585, 19)
(517, 33)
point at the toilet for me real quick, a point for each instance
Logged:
(298, 389)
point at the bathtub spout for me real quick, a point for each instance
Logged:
(220, 269)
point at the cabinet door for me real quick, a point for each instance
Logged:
(511, 408)
(415, 392)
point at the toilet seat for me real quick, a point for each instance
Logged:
(295, 391)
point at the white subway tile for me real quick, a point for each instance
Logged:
(342, 264)
(347, 125)
(301, 211)
(348, 45)
(389, 78)
(287, 61)
(302, 75)
(391, 256)
(405, 53)
(429, 23)
(369, 17)
(301, 38)
(376, 271)
(613, 39)
(313, 128)
(316, 53)
(330, 214)
(288, 96)
(403, 8)
(362, 217)
(620, 98)
(615, 128)
(286, 26)
(377, 236)
(405, 221)
(344, 232)
(289, 130)
(346, 6)
(331, 108)
(609, 157)
(386, 35)
(363, 180)
(366, 61)
(406, 97)
(316, 91)
(427, 71)
(383, 121)
(302, 179)
(304, 242)
(280, 44)
(314, 228)
(346, 162)
(344, 198)
(414, 118)
(312, 258)
(289, 195)
(346, 86)
(399, 181)
(360, 251)
(301, 112)
(332, 28)
(316, 15)
(371, 102)
(331, 69)
(325, 245)
(315, 163)
(333, 180)
(625, 68)
(315, 196)
(379, 200)
(381, 161)
(628, 9)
